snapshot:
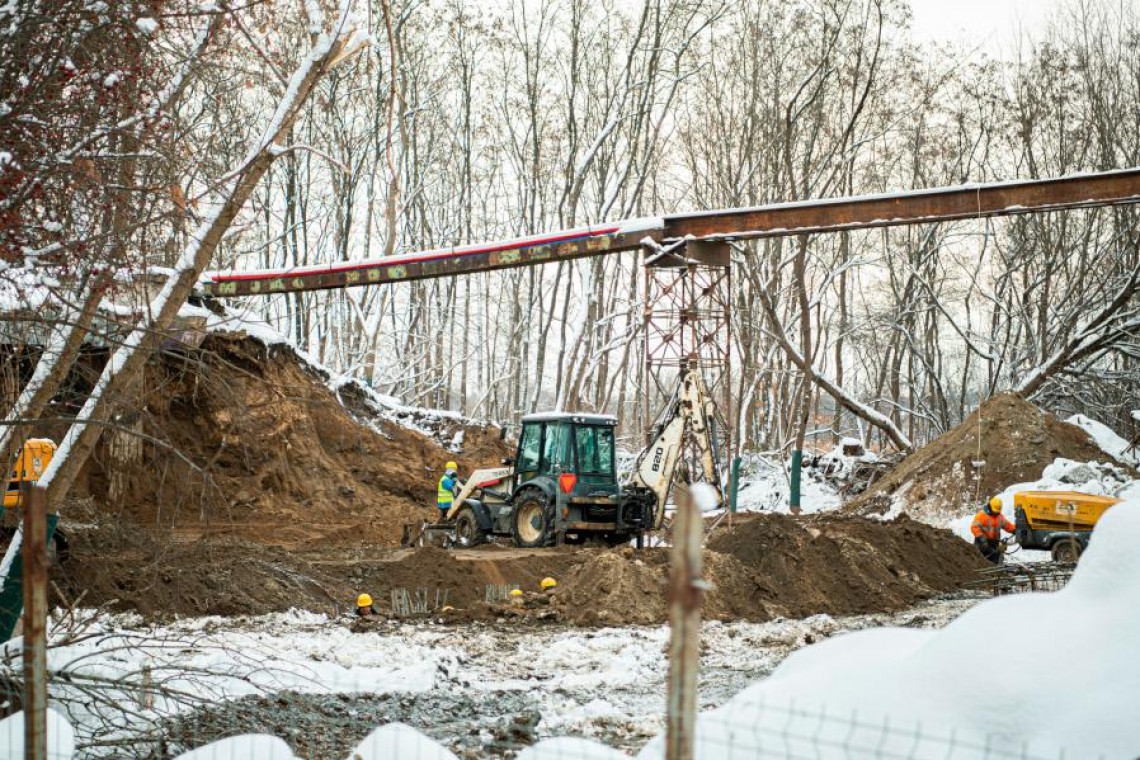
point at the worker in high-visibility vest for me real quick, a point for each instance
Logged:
(987, 527)
(447, 489)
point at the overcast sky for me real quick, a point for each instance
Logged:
(992, 23)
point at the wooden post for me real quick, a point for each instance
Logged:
(35, 622)
(685, 589)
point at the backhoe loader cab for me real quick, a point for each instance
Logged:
(573, 453)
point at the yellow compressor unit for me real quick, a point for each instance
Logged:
(1059, 522)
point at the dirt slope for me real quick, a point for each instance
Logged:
(256, 446)
(952, 473)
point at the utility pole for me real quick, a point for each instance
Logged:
(686, 587)
(35, 621)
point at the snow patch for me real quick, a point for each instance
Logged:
(1106, 438)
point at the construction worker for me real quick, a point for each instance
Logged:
(447, 489)
(364, 606)
(987, 527)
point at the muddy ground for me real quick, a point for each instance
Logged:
(258, 486)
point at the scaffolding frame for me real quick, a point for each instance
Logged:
(687, 322)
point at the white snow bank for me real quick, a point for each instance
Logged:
(60, 736)
(261, 746)
(1106, 438)
(958, 692)
(399, 740)
(565, 747)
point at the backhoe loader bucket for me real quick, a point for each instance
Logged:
(424, 533)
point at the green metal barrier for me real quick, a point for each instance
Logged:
(797, 465)
(734, 484)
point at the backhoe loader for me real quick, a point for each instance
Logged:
(562, 486)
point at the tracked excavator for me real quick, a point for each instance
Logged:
(562, 485)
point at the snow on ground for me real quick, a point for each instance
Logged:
(1107, 439)
(939, 689)
(765, 487)
(606, 683)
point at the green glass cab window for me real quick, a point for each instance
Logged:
(529, 447)
(595, 450)
(555, 448)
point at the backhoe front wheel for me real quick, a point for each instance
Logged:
(467, 530)
(531, 520)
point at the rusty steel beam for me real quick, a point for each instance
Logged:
(944, 204)
(442, 263)
(915, 207)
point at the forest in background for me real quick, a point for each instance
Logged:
(445, 122)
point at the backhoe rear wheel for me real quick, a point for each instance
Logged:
(1066, 550)
(531, 520)
(467, 530)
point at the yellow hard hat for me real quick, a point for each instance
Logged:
(995, 504)
(364, 600)
(516, 592)
(451, 466)
(548, 582)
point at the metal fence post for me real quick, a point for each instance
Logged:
(35, 622)
(685, 587)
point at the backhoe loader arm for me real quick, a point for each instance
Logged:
(687, 415)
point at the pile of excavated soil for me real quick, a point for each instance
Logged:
(252, 444)
(127, 569)
(254, 489)
(617, 587)
(778, 565)
(764, 567)
(1005, 441)
(464, 576)
(841, 565)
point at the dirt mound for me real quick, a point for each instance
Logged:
(764, 567)
(248, 441)
(803, 566)
(1007, 440)
(127, 569)
(617, 587)
(464, 576)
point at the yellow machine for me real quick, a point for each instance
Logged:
(30, 465)
(1059, 522)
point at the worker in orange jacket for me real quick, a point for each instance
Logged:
(987, 527)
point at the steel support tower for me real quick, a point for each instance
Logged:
(688, 322)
